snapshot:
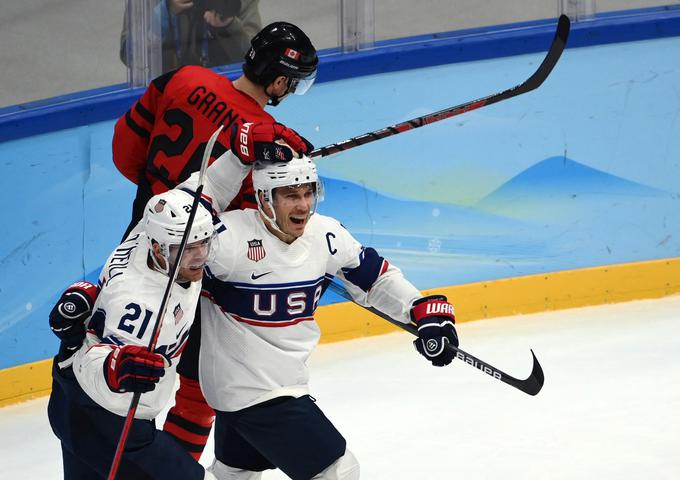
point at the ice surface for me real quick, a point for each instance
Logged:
(610, 407)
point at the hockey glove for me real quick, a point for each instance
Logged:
(67, 318)
(132, 368)
(252, 142)
(433, 315)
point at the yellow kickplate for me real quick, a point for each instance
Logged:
(473, 301)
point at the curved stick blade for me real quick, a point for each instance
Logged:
(533, 383)
(548, 64)
(530, 385)
(534, 81)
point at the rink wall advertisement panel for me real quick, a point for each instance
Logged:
(579, 174)
(475, 301)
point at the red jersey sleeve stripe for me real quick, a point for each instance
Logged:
(132, 125)
(144, 113)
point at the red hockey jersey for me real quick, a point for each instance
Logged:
(163, 135)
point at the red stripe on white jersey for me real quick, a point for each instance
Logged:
(261, 323)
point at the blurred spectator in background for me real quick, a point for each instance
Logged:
(203, 32)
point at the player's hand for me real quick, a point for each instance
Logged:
(132, 368)
(67, 318)
(252, 142)
(434, 317)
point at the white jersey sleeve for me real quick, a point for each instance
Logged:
(125, 314)
(223, 180)
(111, 320)
(371, 279)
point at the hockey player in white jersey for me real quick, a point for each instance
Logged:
(89, 401)
(92, 388)
(258, 330)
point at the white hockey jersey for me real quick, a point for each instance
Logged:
(258, 302)
(124, 313)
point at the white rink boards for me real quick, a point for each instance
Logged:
(610, 407)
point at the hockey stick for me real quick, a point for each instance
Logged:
(533, 82)
(530, 385)
(174, 271)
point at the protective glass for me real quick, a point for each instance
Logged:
(317, 192)
(196, 254)
(299, 86)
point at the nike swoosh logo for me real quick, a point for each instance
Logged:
(255, 277)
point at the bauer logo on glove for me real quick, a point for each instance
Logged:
(266, 142)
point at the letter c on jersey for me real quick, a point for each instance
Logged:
(330, 235)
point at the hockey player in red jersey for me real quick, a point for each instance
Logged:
(159, 142)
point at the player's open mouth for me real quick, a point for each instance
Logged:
(298, 220)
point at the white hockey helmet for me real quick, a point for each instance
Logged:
(165, 219)
(268, 176)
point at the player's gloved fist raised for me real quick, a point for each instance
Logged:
(67, 318)
(258, 141)
(434, 318)
(132, 368)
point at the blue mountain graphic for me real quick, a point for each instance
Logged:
(559, 187)
(364, 210)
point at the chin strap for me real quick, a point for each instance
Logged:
(273, 99)
(154, 261)
(157, 265)
(270, 220)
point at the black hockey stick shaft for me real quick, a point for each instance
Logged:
(533, 82)
(530, 385)
(174, 271)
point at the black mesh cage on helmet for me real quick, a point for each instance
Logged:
(280, 48)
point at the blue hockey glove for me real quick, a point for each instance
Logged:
(67, 318)
(433, 315)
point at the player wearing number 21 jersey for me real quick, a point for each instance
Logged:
(92, 389)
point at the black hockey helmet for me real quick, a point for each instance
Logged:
(281, 48)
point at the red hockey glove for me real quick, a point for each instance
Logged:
(132, 368)
(434, 317)
(67, 318)
(257, 141)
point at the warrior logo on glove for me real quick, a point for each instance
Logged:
(432, 346)
(435, 319)
(70, 307)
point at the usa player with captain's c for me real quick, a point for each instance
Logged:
(258, 330)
